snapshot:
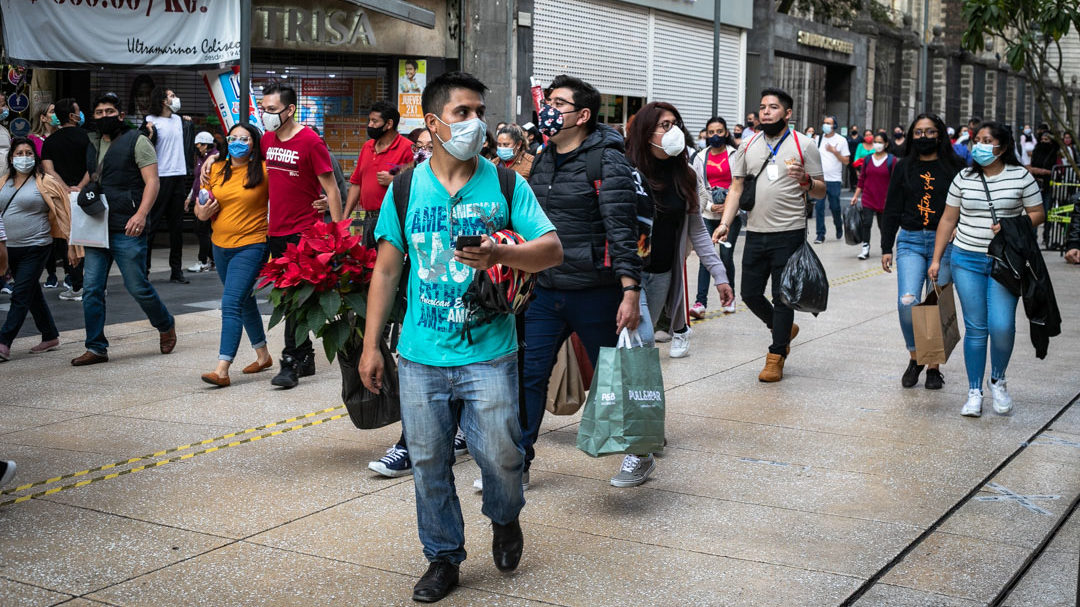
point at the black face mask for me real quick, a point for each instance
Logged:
(716, 141)
(108, 125)
(898, 136)
(924, 145)
(772, 129)
(374, 132)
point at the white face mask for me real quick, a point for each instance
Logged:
(23, 164)
(466, 138)
(272, 122)
(174, 105)
(879, 147)
(673, 142)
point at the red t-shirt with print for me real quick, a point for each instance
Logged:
(293, 168)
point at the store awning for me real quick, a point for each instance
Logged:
(399, 9)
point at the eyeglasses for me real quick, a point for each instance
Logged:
(560, 104)
(240, 138)
(926, 132)
(428, 148)
(665, 126)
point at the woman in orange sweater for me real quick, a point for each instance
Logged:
(235, 202)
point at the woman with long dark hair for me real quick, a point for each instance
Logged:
(713, 166)
(873, 186)
(34, 209)
(656, 145)
(236, 203)
(914, 205)
(989, 308)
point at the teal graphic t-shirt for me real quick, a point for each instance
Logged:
(432, 331)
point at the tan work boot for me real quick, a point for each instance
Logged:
(794, 334)
(774, 369)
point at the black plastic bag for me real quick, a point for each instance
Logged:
(853, 225)
(368, 410)
(803, 284)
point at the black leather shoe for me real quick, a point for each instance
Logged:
(911, 374)
(440, 579)
(506, 545)
(307, 365)
(287, 377)
(179, 279)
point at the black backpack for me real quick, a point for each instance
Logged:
(646, 208)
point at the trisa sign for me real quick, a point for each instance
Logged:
(326, 27)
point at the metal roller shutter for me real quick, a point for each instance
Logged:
(603, 43)
(681, 71)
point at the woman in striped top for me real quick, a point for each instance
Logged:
(995, 186)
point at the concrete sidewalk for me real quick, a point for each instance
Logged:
(833, 482)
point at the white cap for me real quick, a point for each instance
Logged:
(951, 131)
(527, 126)
(204, 137)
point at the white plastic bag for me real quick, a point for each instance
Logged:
(88, 230)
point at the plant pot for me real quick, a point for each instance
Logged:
(369, 410)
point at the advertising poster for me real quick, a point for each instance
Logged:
(324, 97)
(412, 76)
(224, 88)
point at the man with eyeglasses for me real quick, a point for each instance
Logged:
(383, 155)
(587, 189)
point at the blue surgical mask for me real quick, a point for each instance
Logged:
(82, 118)
(827, 129)
(505, 153)
(983, 153)
(239, 149)
(4, 114)
(54, 120)
(466, 138)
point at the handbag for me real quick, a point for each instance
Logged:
(936, 328)
(367, 409)
(624, 413)
(566, 389)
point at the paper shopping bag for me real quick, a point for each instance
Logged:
(936, 328)
(624, 412)
(566, 389)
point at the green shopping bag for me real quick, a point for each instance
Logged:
(625, 409)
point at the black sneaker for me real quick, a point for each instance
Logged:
(911, 374)
(7, 471)
(307, 365)
(819, 240)
(287, 377)
(934, 379)
(440, 579)
(506, 544)
(179, 279)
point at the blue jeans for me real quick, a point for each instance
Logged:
(26, 294)
(550, 319)
(832, 194)
(914, 253)
(238, 268)
(727, 255)
(489, 419)
(129, 253)
(989, 314)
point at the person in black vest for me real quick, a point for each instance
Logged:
(129, 181)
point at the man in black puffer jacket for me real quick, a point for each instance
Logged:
(586, 187)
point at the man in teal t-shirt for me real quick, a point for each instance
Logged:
(456, 193)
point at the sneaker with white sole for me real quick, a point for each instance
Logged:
(51, 282)
(661, 337)
(634, 471)
(729, 309)
(1003, 403)
(6, 289)
(973, 406)
(697, 310)
(680, 344)
(478, 484)
(199, 266)
(865, 253)
(71, 295)
(460, 448)
(394, 464)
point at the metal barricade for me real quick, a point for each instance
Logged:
(1064, 193)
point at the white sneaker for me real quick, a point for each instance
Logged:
(680, 344)
(1003, 403)
(973, 406)
(865, 251)
(729, 309)
(661, 337)
(199, 266)
(697, 311)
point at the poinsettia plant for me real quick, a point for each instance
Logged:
(321, 284)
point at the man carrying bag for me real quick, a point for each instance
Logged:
(624, 413)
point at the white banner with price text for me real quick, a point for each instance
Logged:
(146, 33)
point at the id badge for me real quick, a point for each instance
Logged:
(772, 172)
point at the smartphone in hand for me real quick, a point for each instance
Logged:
(467, 241)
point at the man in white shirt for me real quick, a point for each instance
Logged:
(174, 139)
(834, 157)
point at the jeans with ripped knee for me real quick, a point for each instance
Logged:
(914, 254)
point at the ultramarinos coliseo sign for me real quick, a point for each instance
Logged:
(76, 33)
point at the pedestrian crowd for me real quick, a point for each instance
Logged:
(604, 218)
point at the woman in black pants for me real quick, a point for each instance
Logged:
(713, 165)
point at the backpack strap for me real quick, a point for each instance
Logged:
(890, 160)
(507, 183)
(402, 188)
(594, 168)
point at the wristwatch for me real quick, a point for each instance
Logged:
(631, 288)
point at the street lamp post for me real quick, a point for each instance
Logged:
(716, 58)
(245, 60)
(924, 88)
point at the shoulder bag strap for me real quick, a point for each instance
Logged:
(986, 188)
(12, 198)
